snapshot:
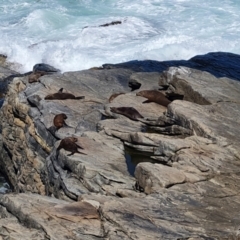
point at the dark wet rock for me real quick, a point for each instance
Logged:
(219, 64)
(43, 67)
(1, 102)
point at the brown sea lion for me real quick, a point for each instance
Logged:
(154, 96)
(114, 95)
(70, 144)
(59, 120)
(33, 77)
(129, 112)
(60, 95)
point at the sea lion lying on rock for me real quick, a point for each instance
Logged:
(62, 96)
(69, 144)
(59, 120)
(154, 96)
(128, 112)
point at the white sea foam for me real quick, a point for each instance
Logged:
(54, 31)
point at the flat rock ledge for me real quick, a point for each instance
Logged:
(187, 157)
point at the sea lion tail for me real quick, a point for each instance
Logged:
(81, 152)
(80, 97)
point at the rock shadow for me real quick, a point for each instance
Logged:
(219, 64)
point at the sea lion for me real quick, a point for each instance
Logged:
(110, 24)
(60, 95)
(154, 96)
(114, 95)
(33, 77)
(69, 144)
(129, 112)
(59, 120)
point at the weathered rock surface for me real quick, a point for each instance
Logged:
(49, 218)
(185, 184)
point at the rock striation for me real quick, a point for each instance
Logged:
(185, 157)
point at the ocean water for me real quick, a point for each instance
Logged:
(67, 33)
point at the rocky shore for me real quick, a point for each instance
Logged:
(171, 174)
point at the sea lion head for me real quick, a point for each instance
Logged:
(114, 95)
(73, 139)
(63, 115)
(142, 93)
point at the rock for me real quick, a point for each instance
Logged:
(186, 155)
(44, 217)
(151, 177)
(163, 215)
(43, 67)
(145, 80)
(193, 85)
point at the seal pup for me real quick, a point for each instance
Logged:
(70, 144)
(59, 121)
(60, 95)
(128, 112)
(154, 96)
(114, 95)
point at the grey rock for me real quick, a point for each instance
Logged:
(186, 187)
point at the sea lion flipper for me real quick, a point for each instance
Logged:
(80, 97)
(81, 152)
(60, 90)
(65, 125)
(71, 154)
(79, 146)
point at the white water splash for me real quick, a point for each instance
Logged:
(53, 31)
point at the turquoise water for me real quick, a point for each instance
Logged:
(54, 31)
